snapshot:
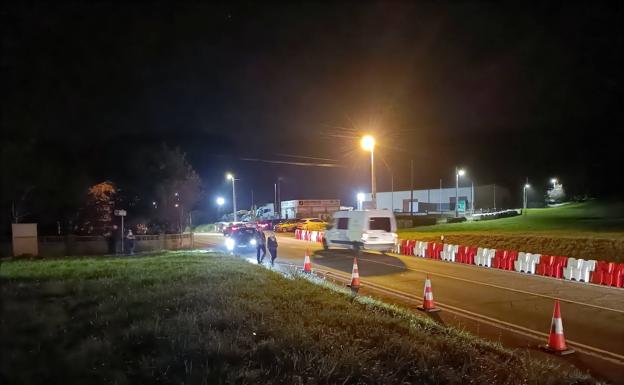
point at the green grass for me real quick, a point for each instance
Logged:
(590, 230)
(574, 218)
(202, 318)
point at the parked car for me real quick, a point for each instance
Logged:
(312, 224)
(288, 225)
(369, 229)
(242, 237)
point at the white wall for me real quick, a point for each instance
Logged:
(385, 199)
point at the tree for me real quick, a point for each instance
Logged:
(555, 194)
(96, 217)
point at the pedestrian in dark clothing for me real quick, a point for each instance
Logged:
(272, 246)
(260, 246)
(130, 238)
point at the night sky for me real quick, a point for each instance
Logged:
(507, 91)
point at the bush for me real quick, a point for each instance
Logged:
(456, 220)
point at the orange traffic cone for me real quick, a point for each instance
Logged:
(355, 276)
(428, 304)
(307, 265)
(556, 340)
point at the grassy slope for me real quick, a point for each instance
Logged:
(199, 318)
(586, 230)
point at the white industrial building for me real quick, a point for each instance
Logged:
(443, 200)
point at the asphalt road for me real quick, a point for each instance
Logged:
(509, 307)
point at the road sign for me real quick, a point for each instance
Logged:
(461, 206)
(120, 213)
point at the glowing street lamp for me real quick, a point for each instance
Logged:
(220, 201)
(458, 173)
(368, 144)
(360, 200)
(233, 179)
(524, 193)
(554, 182)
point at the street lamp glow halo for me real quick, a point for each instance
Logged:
(360, 197)
(527, 186)
(461, 172)
(553, 180)
(229, 176)
(368, 143)
(220, 201)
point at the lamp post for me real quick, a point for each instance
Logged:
(524, 194)
(458, 173)
(554, 182)
(368, 144)
(233, 179)
(360, 200)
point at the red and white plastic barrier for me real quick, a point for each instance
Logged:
(310, 236)
(580, 270)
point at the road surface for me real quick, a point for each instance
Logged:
(510, 307)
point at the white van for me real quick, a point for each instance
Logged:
(375, 229)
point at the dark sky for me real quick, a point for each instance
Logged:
(507, 91)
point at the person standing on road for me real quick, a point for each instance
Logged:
(260, 246)
(130, 238)
(272, 246)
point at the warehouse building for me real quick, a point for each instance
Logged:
(442, 200)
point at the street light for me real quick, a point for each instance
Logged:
(233, 179)
(524, 193)
(458, 173)
(360, 200)
(368, 144)
(554, 182)
(220, 201)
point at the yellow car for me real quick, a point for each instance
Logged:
(312, 224)
(288, 225)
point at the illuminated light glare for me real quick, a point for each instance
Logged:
(229, 244)
(527, 185)
(229, 176)
(360, 197)
(367, 143)
(220, 201)
(253, 242)
(553, 180)
(177, 205)
(461, 172)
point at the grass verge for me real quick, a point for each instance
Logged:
(589, 230)
(208, 319)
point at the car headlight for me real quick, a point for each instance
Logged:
(253, 242)
(364, 236)
(229, 243)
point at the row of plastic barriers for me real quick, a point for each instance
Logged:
(598, 272)
(308, 235)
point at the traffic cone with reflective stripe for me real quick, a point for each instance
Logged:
(307, 266)
(428, 304)
(556, 340)
(355, 277)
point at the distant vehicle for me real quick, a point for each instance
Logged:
(233, 226)
(373, 229)
(267, 224)
(312, 224)
(288, 225)
(242, 237)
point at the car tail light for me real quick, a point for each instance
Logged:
(234, 228)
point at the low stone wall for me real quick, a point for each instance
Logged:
(97, 245)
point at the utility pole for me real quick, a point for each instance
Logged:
(411, 188)
(494, 196)
(392, 188)
(440, 197)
